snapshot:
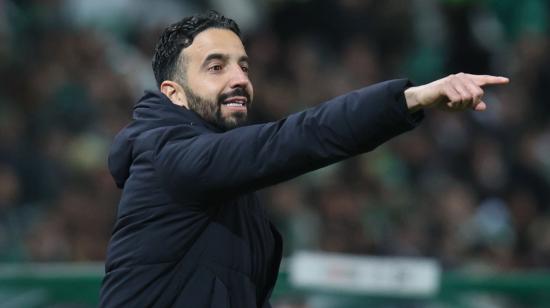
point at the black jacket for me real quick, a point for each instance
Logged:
(190, 231)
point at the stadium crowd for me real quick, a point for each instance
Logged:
(471, 189)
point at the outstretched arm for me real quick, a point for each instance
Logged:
(252, 157)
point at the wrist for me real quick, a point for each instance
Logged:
(411, 98)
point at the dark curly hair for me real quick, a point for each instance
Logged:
(180, 35)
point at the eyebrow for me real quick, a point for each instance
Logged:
(223, 57)
(215, 56)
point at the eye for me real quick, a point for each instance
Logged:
(245, 69)
(215, 68)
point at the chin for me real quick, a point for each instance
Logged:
(234, 123)
(235, 119)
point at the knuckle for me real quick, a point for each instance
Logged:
(451, 80)
(455, 98)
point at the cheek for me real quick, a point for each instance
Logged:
(210, 94)
(206, 87)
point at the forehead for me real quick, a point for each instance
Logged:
(214, 40)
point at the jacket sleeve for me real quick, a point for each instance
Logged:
(252, 157)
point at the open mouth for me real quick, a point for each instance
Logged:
(236, 101)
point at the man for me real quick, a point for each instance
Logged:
(190, 231)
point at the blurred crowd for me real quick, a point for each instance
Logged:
(471, 189)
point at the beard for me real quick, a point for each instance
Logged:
(211, 110)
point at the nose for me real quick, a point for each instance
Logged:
(239, 78)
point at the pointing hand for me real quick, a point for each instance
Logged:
(453, 93)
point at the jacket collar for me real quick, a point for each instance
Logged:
(172, 112)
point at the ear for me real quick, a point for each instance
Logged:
(174, 92)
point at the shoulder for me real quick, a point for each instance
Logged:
(158, 137)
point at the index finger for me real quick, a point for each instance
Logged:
(483, 80)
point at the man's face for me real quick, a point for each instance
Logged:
(216, 85)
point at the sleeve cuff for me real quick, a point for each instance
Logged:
(413, 119)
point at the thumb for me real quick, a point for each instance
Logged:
(481, 106)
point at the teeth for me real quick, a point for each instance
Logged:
(236, 103)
